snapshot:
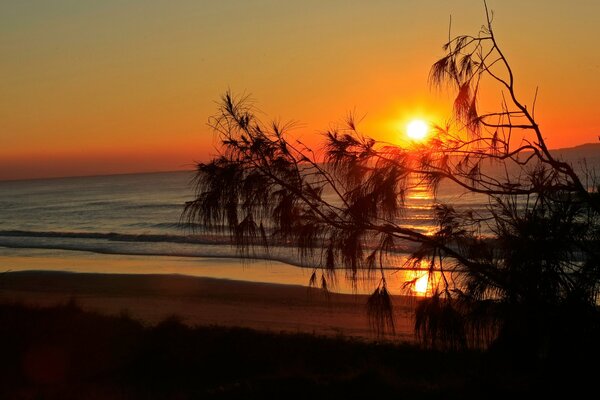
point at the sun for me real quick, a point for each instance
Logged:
(417, 129)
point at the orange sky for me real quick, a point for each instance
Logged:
(112, 86)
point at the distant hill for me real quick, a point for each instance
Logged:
(589, 151)
(584, 158)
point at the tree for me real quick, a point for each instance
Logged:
(340, 208)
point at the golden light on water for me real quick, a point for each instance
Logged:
(417, 129)
(421, 284)
(422, 279)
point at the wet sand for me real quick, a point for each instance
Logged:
(206, 301)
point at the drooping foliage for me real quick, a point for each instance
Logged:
(341, 208)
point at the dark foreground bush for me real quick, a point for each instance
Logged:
(66, 353)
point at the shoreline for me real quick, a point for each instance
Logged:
(232, 268)
(204, 301)
(192, 245)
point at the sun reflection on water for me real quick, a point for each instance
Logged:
(421, 285)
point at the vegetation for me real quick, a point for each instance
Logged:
(529, 286)
(63, 353)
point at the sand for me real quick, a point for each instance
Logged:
(207, 301)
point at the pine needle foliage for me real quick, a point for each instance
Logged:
(340, 207)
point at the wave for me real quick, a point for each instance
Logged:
(153, 245)
(121, 237)
(200, 235)
(200, 246)
(101, 248)
(155, 206)
(168, 225)
(137, 248)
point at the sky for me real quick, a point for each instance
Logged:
(90, 87)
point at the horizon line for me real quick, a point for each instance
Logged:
(95, 175)
(189, 170)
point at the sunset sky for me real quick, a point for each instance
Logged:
(99, 87)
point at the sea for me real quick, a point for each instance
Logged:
(131, 224)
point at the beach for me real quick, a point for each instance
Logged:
(201, 301)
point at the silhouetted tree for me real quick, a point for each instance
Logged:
(341, 207)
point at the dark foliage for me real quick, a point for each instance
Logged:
(341, 206)
(65, 353)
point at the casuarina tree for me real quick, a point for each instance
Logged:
(513, 275)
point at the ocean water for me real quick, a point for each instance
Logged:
(140, 214)
(131, 223)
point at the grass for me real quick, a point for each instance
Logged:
(63, 352)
